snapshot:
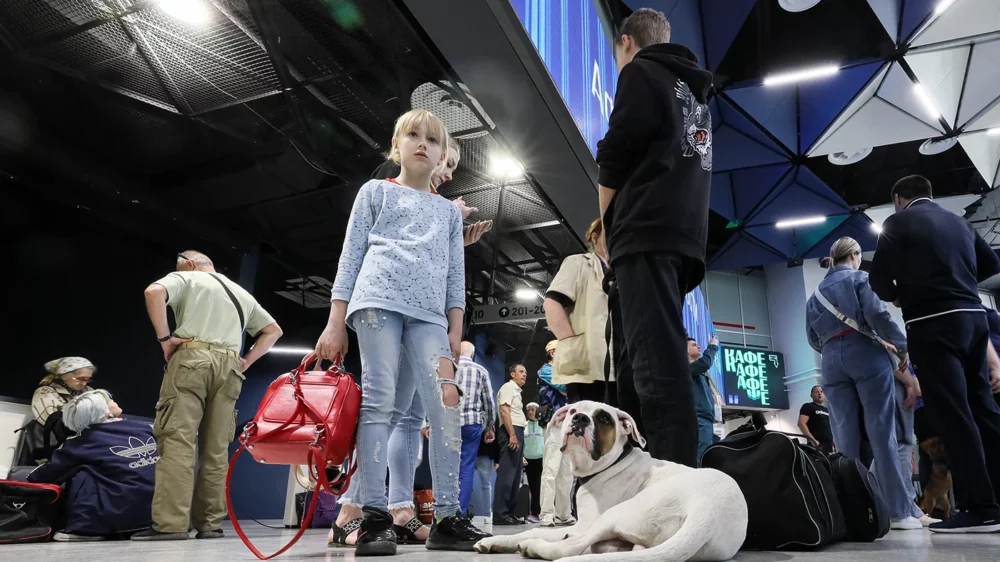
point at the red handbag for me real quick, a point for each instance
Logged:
(305, 418)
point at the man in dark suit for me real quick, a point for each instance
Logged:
(929, 262)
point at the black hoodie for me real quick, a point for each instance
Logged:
(657, 156)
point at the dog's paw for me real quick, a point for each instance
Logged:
(497, 545)
(539, 549)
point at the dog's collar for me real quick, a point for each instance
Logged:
(625, 452)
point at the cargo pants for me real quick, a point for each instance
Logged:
(196, 411)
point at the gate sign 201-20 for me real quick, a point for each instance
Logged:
(496, 313)
(754, 378)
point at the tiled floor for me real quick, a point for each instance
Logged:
(898, 546)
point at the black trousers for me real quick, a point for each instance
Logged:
(949, 356)
(628, 400)
(651, 289)
(597, 391)
(534, 470)
(508, 474)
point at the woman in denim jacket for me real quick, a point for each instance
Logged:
(857, 373)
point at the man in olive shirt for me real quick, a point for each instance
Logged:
(511, 447)
(198, 395)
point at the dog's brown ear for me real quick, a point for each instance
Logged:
(630, 428)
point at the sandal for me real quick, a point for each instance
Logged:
(340, 534)
(407, 534)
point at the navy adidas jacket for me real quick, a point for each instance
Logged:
(109, 473)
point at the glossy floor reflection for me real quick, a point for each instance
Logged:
(898, 546)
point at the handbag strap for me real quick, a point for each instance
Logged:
(232, 297)
(314, 459)
(851, 323)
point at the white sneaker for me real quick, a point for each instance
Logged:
(906, 524)
(548, 521)
(560, 522)
(63, 536)
(927, 520)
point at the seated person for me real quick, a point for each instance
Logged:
(108, 468)
(64, 379)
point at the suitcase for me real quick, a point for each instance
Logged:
(791, 499)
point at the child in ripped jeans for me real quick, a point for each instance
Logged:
(401, 286)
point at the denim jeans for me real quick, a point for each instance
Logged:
(857, 375)
(706, 434)
(471, 435)
(905, 440)
(383, 338)
(404, 446)
(482, 491)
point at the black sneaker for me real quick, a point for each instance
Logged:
(505, 520)
(154, 535)
(376, 537)
(215, 534)
(965, 522)
(454, 533)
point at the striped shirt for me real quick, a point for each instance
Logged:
(478, 404)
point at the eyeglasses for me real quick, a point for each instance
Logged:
(183, 257)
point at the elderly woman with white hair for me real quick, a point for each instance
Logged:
(64, 379)
(108, 469)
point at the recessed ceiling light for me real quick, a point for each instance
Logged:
(993, 132)
(848, 158)
(797, 5)
(801, 75)
(291, 350)
(505, 167)
(804, 221)
(937, 146)
(526, 294)
(191, 11)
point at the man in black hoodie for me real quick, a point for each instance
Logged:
(930, 261)
(655, 175)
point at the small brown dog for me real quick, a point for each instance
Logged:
(936, 493)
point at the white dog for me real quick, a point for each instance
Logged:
(638, 508)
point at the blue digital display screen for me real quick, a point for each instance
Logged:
(573, 41)
(698, 323)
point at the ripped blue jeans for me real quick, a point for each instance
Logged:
(383, 338)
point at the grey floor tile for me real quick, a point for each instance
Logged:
(898, 546)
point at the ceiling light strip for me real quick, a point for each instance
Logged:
(801, 75)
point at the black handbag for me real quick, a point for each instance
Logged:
(39, 441)
(791, 500)
(28, 512)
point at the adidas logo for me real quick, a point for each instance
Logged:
(138, 449)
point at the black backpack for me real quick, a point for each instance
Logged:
(790, 495)
(41, 440)
(865, 511)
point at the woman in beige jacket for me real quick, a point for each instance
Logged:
(576, 309)
(64, 379)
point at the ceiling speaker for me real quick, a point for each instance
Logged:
(797, 5)
(937, 146)
(442, 99)
(848, 158)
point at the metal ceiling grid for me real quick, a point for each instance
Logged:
(204, 67)
(29, 20)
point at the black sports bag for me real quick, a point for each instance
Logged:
(790, 495)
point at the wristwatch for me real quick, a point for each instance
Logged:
(165, 338)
